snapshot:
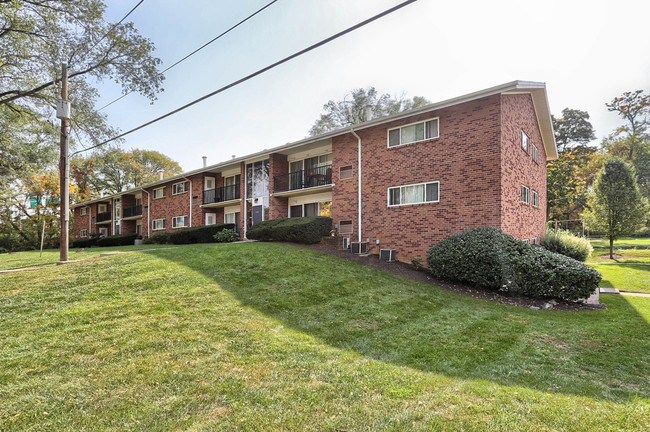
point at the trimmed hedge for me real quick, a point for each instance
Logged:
(489, 258)
(85, 243)
(565, 243)
(299, 230)
(201, 234)
(117, 240)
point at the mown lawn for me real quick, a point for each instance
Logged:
(629, 272)
(259, 336)
(624, 243)
(51, 256)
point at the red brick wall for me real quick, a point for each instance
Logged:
(465, 160)
(278, 206)
(81, 222)
(521, 220)
(176, 205)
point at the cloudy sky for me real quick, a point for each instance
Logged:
(587, 52)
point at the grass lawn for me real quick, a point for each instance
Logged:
(260, 336)
(51, 256)
(627, 273)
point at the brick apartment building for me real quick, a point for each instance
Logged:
(403, 182)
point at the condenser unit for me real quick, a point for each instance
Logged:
(387, 254)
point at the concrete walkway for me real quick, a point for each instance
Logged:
(625, 293)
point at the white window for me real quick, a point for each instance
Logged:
(414, 194)
(179, 188)
(84, 211)
(208, 183)
(210, 218)
(535, 153)
(525, 142)
(526, 241)
(83, 233)
(230, 218)
(158, 224)
(525, 194)
(535, 199)
(413, 133)
(103, 232)
(179, 221)
(159, 193)
(101, 208)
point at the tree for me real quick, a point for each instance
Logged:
(566, 185)
(36, 37)
(112, 170)
(635, 108)
(616, 205)
(360, 106)
(572, 128)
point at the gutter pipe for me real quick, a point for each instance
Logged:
(359, 174)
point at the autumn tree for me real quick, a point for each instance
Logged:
(616, 206)
(360, 106)
(112, 170)
(572, 129)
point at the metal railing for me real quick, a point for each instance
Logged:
(303, 179)
(103, 217)
(128, 212)
(226, 193)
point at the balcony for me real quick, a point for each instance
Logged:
(319, 177)
(222, 194)
(103, 217)
(132, 212)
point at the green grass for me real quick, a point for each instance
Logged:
(624, 243)
(627, 273)
(51, 256)
(259, 336)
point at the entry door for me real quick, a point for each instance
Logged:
(257, 214)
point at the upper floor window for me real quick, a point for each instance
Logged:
(209, 183)
(84, 211)
(179, 188)
(535, 199)
(414, 194)
(525, 194)
(413, 133)
(102, 208)
(159, 193)
(525, 142)
(535, 153)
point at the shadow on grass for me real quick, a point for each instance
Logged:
(601, 354)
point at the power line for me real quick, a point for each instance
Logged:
(115, 25)
(254, 74)
(196, 50)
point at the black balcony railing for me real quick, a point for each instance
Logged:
(103, 217)
(226, 193)
(128, 212)
(303, 179)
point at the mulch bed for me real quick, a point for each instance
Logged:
(407, 270)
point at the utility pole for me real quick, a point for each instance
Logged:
(63, 112)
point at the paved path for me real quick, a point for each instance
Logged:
(625, 293)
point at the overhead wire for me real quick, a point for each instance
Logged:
(196, 50)
(254, 74)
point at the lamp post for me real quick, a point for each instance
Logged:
(63, 113)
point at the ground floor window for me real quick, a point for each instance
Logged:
(323, 208)
(138, 228)
(83, 233)
(158, 224)
(103, 232)
(210, 218)
(232, 218)
(179, 221)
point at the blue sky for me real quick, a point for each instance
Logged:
(587, 52)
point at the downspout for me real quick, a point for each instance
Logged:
(245, 203)
(359, 173)
(90, 220)
(148, 211)
(190, 182)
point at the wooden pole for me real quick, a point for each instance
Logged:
(63, 171)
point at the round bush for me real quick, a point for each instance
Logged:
(489, 258)
(565, 243)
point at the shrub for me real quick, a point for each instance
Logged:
(117, 240)
(299, 230)
(492, 259)
(85, 243)
(226, 236)
(200, 234)
(565, 243)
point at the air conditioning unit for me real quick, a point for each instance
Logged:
(387, 254)
(359, 247)
(346, 243)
